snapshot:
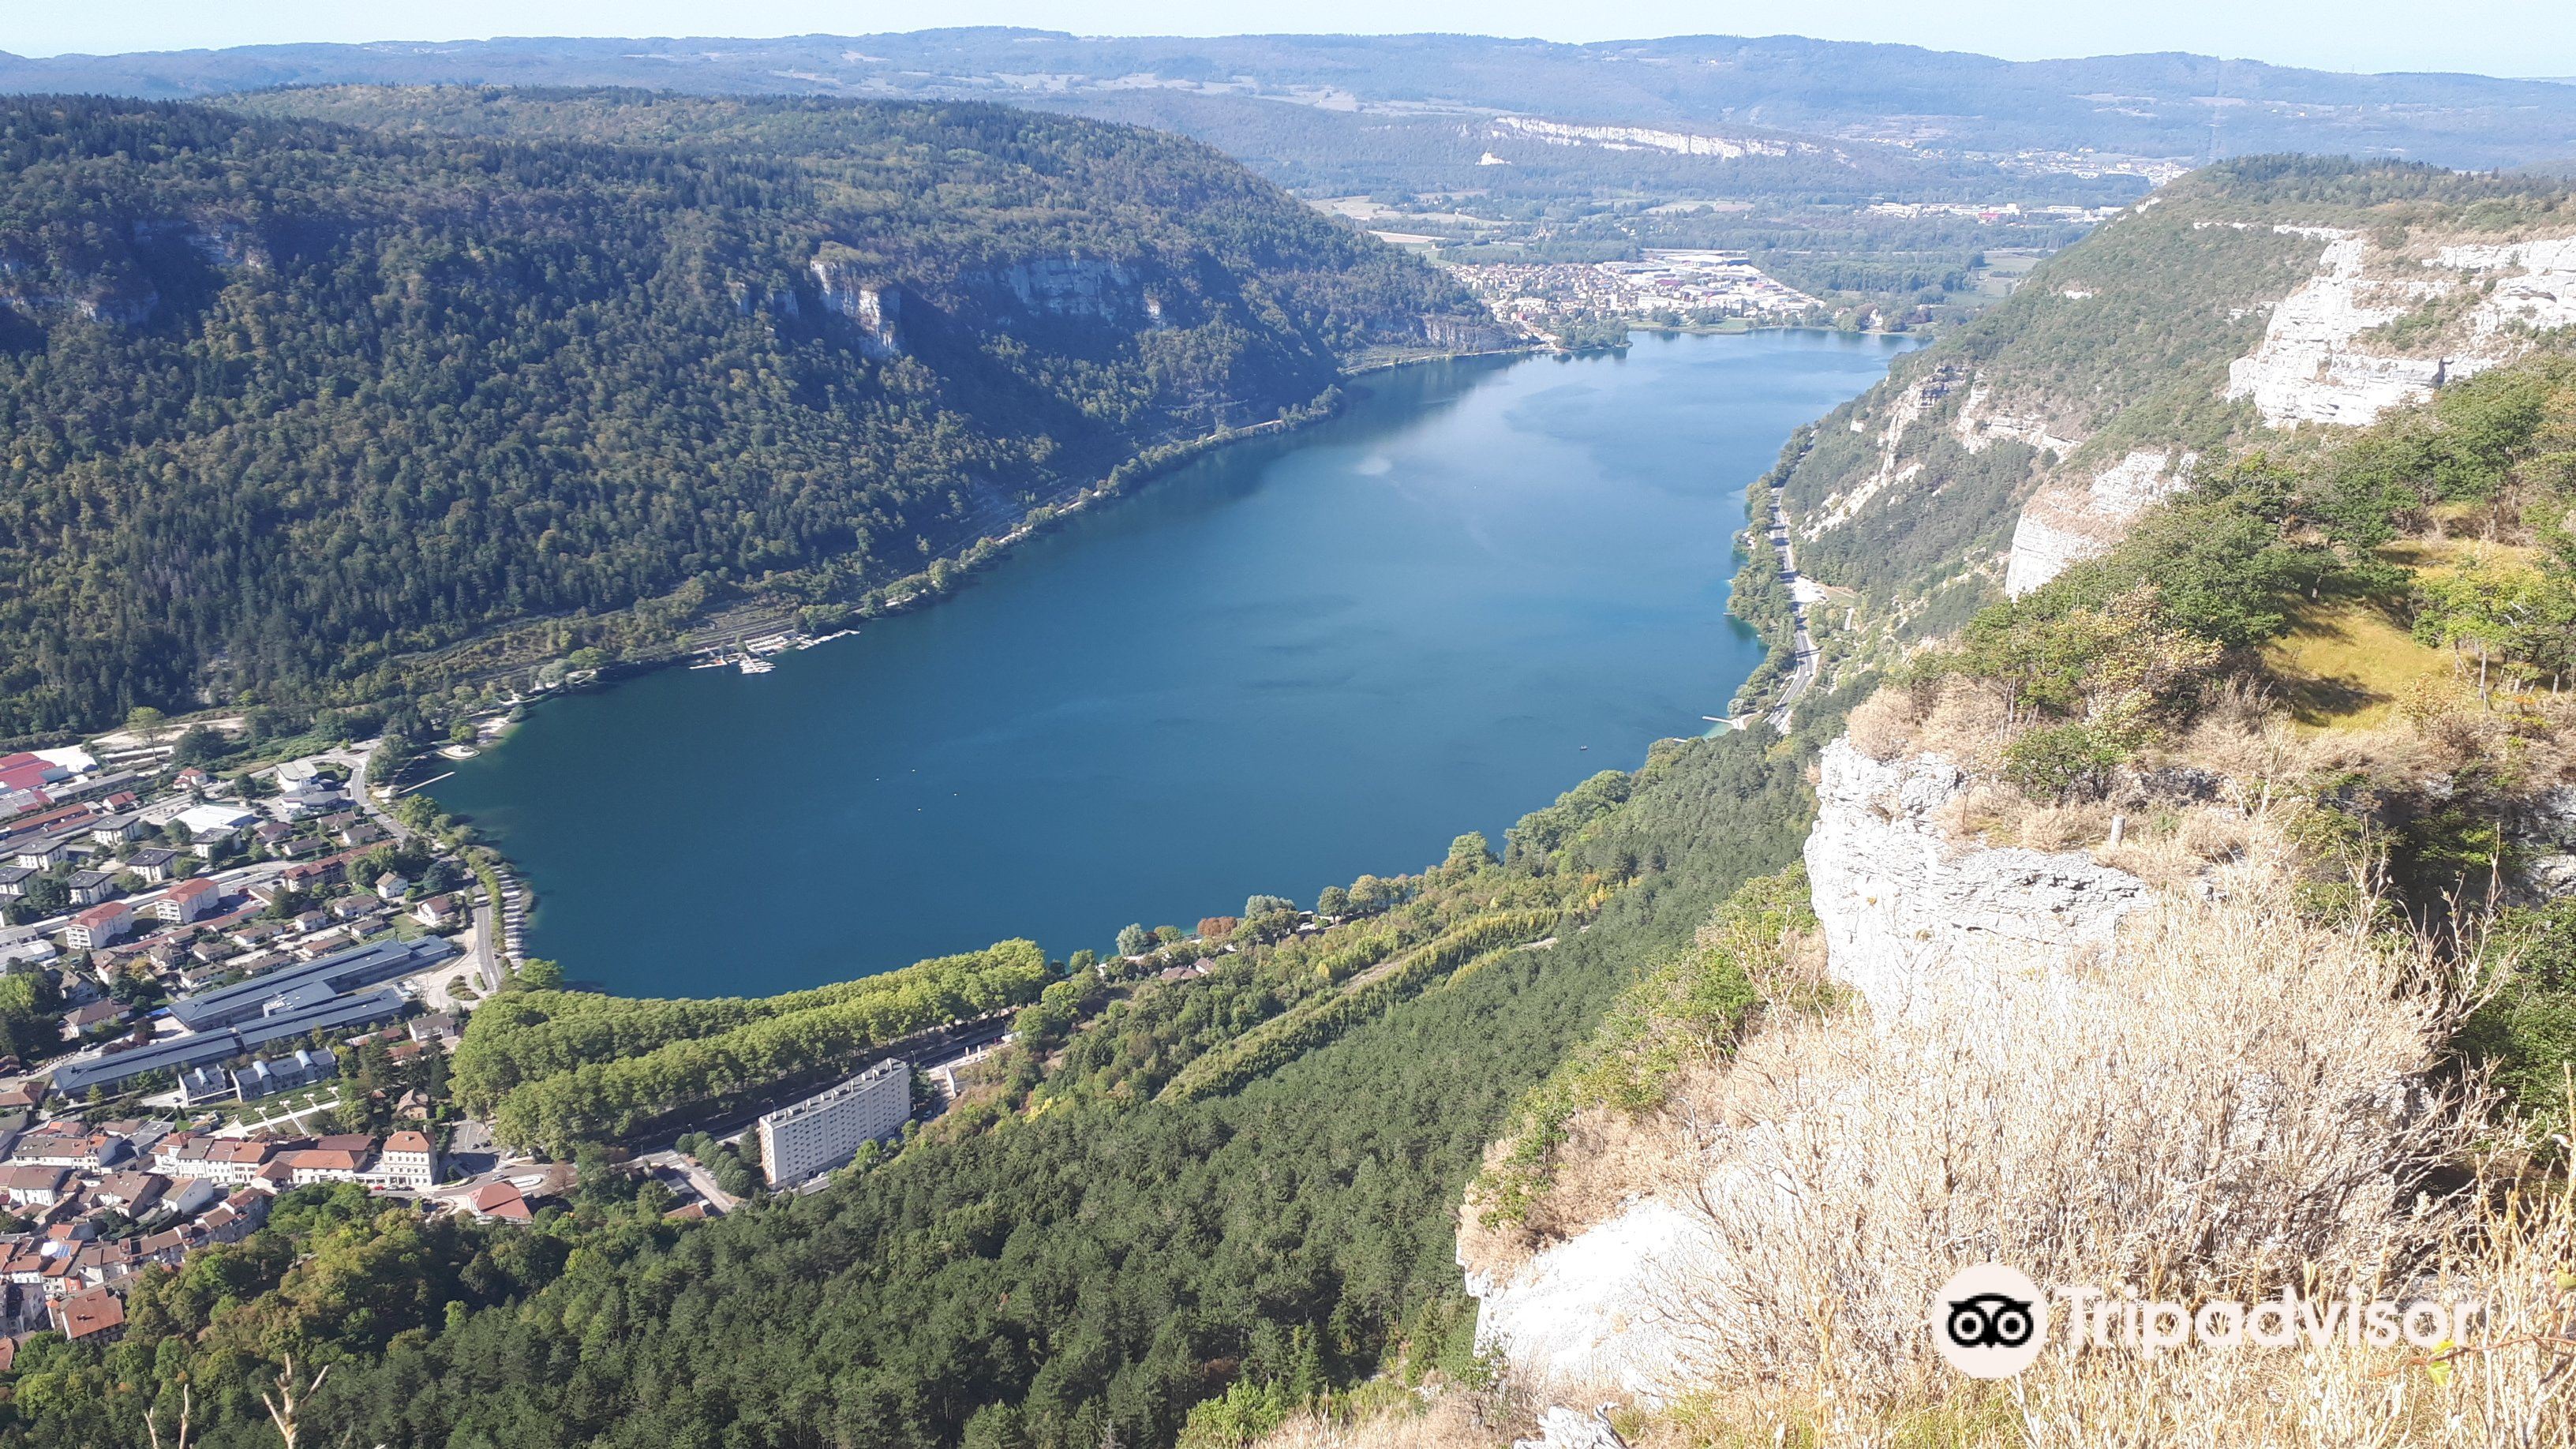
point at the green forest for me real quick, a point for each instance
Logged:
(289, 402)
(1167, 1187)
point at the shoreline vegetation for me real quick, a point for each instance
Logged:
(1105, 1229)
(724, 627)
(930, 586)
(651, 372)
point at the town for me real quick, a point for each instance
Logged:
(1663, 289)
(216, 990)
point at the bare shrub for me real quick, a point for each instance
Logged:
(1607, 1157)
(1966, 726)
(2065, 827)
(2451, 721)
(2219, 1110)
(1883, 725)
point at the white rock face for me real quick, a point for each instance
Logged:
(1641, 138)
(877, 309)
(1907, 911)
(1981, 424)
(1078, 286)
(2065, 523)
(2535, 283)
(2312, 365)
(1903, 412)
(1579, 1315)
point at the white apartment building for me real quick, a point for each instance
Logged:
(825, 1130)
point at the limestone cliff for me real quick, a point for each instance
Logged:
(1909, 910)
(1911, 913)
(874, 308)
(2235, 300)
(2071, 519)
(2329, 356)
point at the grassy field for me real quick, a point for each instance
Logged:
(2347, 662)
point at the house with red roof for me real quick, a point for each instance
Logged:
(97, 1316)
(500, 1200)
(189, 900)
(98, 926)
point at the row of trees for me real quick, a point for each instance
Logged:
(1322, 1018)
(616, 1098)
(527, 1035)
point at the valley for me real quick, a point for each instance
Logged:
(1281, 665)
(2042, 595)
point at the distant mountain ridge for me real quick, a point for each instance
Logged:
(1323, 102)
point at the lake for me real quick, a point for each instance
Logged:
(1292, 661)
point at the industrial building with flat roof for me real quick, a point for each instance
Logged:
(178, 1053)
(826, 1129)
(310, 984)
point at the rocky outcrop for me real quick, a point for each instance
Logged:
(2324, 358)
(1458, 334)
(1579, 1315)
(1643, 138)
(2544, 830)
(1078, 287)
(1981, 425)
(2068, 521)
(874, 308)
(1908, 407)
(1907, 910)
(2318, 363)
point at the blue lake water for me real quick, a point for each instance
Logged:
(1293, 661)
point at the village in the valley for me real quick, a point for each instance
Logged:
(221, 988)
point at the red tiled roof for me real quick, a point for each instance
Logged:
(96, 1311)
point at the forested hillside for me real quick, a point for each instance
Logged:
(288, 401)
(2116, 351)
(1167, 1188)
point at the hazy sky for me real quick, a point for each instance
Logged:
(2496, 37)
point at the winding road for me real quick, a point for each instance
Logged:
(1802, 677)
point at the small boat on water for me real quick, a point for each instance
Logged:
(751, 663)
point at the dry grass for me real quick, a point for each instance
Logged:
(1883, 726)
(2242, 1086)
(2503, 1388)
(2236, 1101)
(1608, 1157)
(1451, 1421)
